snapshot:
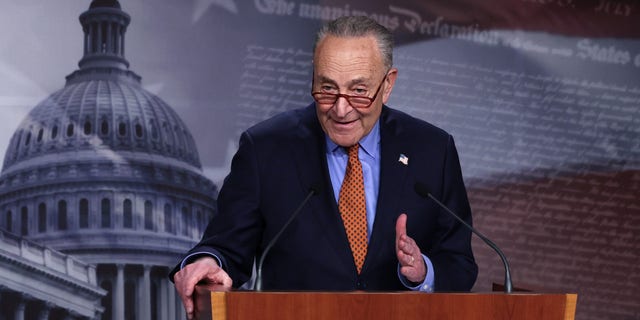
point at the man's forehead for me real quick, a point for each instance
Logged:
(332, 46)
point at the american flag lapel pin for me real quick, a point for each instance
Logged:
(403, 159)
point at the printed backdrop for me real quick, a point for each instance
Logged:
(542, 97)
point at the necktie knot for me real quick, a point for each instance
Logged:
(352, 151)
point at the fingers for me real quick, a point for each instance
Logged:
(202, 270)
(416, 272)
(401, 229)
(412, 265)
(408, 251)
(404, 243)
(219, 277)
(401, 226)
(185, 286)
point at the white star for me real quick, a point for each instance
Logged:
(201, 6)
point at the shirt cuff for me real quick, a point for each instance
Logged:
(192, 257)
(427, 284)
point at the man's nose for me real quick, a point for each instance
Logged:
(342, 106)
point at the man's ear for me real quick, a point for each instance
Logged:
(390, 81)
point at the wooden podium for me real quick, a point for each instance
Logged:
(241, 305)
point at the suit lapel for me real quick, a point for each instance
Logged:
(311, 165)
(393, 175)
(307, 152)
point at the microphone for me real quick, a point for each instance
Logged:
(422, 190)
(313, 190)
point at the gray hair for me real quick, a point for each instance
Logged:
(360, 26)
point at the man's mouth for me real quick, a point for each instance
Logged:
(344, 122)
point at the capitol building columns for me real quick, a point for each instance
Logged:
(20, 307)
(102, 189)
(151, 297)
(146, 293)
(177, 305)
(140, 291)
(38, 282)
(118, 293)
(45, 310)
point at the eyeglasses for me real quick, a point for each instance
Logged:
(359, 102)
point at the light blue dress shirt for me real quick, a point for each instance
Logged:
(369, 154)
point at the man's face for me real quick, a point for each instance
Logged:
(351, 66)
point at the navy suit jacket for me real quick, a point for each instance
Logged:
(277, 163)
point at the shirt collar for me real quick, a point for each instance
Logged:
(369, 143)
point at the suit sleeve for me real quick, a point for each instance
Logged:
(234, 234)
(452, 257)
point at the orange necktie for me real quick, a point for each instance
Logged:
(353, 208)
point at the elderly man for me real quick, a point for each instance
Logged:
(366, 228)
